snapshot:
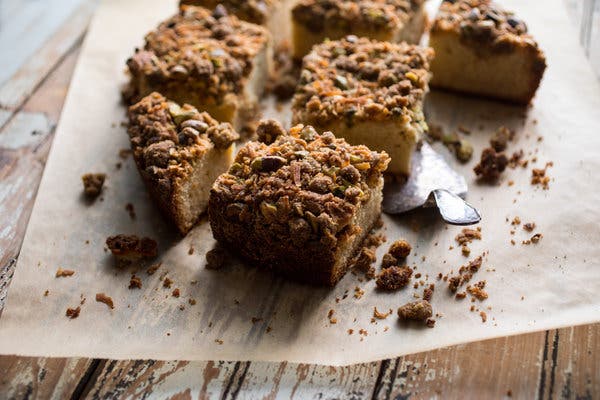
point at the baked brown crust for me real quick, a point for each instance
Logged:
(255, 11)
(166, 140)
(208, 53)
(370, 15)
(483, 21)
(362, 80)
(490, 30)
(288, 205)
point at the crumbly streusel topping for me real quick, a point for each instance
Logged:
(305, 184)
(359, 79)
(482, 21)
(349, 15)
(207, 51)
(166, 138)
(255, 11)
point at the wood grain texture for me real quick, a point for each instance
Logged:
(41, 378)
(26, 26)
(159, 379)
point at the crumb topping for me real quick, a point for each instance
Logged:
(306, 185)
(483, 21)
(63, 273)
(370, 15)
(362, 80)
(92, 184)
(491, 165)
(255, 11)
(206, 51)
(132, 247)
(394, 278)
(167, 138)
(103, 298)
(416, 311)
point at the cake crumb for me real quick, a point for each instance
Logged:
(416, 311)
(135, 282)
(192, 301)
(93, 184)
(516, 221)
(491, 165)
(103, 298)
(430, 323)
(477, 290)
(466, 251)
(358, 292)
(394, 278)
(129, 248)
(379, 315)
(428, 292)
(46, 293)
(483, 316)
(255, 320)
(539, 177)
(73, 313)
(219, 341)
(63, 273)
(350, 331)
(130, 210)
(176, 293)
(167, 282)
(467, 235)
(215, 258)
(400, 249)
(500, 139)
(191, 250)
(529, 226)
(153, 268)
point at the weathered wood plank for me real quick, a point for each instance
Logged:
(571, 368)
(24, 80)
(40, 378)
(26, 26)
(305, 381)
(161, 379)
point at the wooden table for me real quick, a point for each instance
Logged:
(40, 43)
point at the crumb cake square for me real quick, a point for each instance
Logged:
(313, 21)
(273, 14)
(484, 50)
(301, 205)
(208, 59)
(179, 153)
(367, 92)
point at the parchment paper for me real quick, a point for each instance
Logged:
(552, 284)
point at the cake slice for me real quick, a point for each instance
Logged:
(367, 92)
(484, 50)
(208, 59)
(273, 14)
(301, 205)
(313, 21)
(179, 153)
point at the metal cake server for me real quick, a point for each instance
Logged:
(432, 183)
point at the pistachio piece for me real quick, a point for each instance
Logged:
(464, 151)
(267, 163)
(341, 82)
(308, 133)
(198, 125)
(268, 210)
(180, 115)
